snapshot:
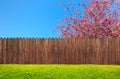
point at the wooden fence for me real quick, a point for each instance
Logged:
(59, 51)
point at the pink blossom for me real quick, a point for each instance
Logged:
(95, 21)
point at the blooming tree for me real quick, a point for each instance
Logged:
(100, 19)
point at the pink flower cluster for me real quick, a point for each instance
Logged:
(100, 19)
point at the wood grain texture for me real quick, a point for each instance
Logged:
(59, 51)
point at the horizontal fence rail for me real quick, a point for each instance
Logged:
(59, 51)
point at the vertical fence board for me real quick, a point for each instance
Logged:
(15, 50)
(8, 51)
(109, 50)
(118, 61)
(1, 53)
(23, 51)
(33, 49)
(20, 51)
(115, 51)
(40, 51)
(43, 53)
(60, 51)
(36, 48)
(112, 50)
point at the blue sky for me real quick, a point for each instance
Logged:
(30, 18)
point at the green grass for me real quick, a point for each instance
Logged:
(14, 71)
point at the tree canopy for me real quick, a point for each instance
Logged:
(100, 19)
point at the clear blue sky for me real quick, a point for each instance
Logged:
(30, 18)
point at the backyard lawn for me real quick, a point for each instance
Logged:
(25, 71)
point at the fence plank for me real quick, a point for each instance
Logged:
(1, 53)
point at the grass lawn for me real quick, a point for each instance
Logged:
(14, 71)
